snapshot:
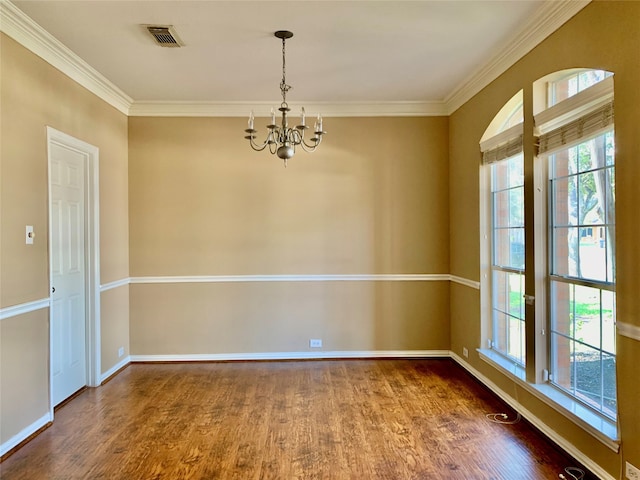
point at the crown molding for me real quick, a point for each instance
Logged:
(263, 109)
(32, 36)
(546, 20)
(17, 25)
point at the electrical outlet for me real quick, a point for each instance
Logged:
(315, 343)
(120, 351)
(631, 472)
(465, 352)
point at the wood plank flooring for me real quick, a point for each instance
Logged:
(351, 419)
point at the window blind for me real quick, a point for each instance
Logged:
(589, 125)
(504, 145)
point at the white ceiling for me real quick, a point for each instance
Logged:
(342, 51)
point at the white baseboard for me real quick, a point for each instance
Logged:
(122, 363)
(213, 357)
(535, 421)
(24, 433)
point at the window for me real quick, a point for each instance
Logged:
(573, 83)
(569, 285)
(582, 272)
(502, 155)
(507, 258)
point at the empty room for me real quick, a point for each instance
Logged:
(319, 239)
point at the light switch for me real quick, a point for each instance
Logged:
(29, 235)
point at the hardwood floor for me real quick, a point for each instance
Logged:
(352, 419)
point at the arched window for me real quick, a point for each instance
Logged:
(559, 336)
(576, 140)
(501, 147)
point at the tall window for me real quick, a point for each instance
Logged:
(507, 262)
(582, 252)
(571, 287)
(582, 272)
(502, 154)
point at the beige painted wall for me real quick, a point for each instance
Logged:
(263, 317)
(203, 203)
(24, 371)
(114, 326)
(605, 35)
(34, 95)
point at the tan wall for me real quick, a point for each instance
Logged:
(372, 199)
(605, 35)
(263, 317)
(24, 371)
(114, 326)
(35, 95)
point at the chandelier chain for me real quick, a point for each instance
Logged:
(284, 88)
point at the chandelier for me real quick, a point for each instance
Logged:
(282, 140)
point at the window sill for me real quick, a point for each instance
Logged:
(599, 426)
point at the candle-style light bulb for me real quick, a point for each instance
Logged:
(319, 123)
(251, 120)
(302, 117)
(273, 117)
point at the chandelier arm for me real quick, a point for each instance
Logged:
(297, 135)
(258, 149)
(256, 146)
(310, 148)
(268, 141)
(292, 136)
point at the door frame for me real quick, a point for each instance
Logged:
(91, 254)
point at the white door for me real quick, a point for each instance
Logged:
(68, 316)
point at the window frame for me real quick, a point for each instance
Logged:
(534, 376)
(575, 281)
(508, 270)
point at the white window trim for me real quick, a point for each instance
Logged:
(595, 423)
(599, 426)
(574, 107)
(486, 241)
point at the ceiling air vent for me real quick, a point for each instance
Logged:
(164, 35)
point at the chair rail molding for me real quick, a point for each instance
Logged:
(23, 308)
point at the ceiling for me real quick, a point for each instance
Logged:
(341, 52)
